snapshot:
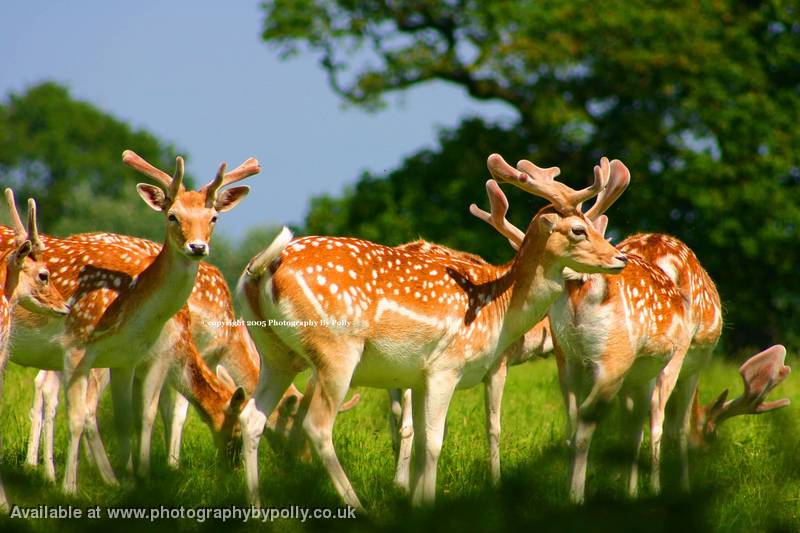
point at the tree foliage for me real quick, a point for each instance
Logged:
(700, 99)
(67, 154)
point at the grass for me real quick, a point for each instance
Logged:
(748, 480)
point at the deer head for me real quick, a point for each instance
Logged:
(760, 374)
(576, 238)
(27, 276)
(191, 215)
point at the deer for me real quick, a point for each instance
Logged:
(223, 343)
(672, 322)
(360, 313)
(118, 317)
(24, 282)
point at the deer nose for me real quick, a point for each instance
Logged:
(622, 258)
(198, 248)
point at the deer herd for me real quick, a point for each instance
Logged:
(636, 321)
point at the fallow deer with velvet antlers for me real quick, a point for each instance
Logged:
(24, 281)
(392, 318)
(118, 316)
(672, 320)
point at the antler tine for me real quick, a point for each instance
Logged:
(601, 177)
(497, 218)
(547, 174)
(176, 184)
(19, 227)
(618, 180)
(33, 230)
(760, 375)
(135, 161)
(248, 168)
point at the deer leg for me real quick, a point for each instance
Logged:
(50, 395)
(180, 409)
(333, 381)
(98, 381)
(151, 390)
(679, 423)
(77, 366)
(271, 386)
(635, 404)
(405, 438)
(430, 406)
(494, 383)
(665, 383)
(122, 396)
(4, 355)
(36, 414)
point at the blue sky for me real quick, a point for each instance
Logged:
(197, 74)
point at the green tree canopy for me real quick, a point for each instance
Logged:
(701, 100)
(67, 154)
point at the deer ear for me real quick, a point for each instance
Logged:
(23, 251)
(237, 401)
(228, 198)
(152, 196)
(225, 377)
(548, 221)
(601, 224)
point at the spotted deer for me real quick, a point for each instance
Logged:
(118, 317)
(671, 323)
(24, 281)
(360, 313)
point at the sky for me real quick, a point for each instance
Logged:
(198, 75)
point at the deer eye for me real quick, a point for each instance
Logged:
(213, 219)
(578, 231)
(44, 276)
(172, 218)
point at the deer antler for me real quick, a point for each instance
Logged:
(497, 218)
(760, 374)
(174, 184)
(33, 230)
(618, 180)
(20, 235)
(541, 182)
(223, 179)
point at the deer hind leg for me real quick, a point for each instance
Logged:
(36, 414)
(152, 384)
(678, 423)
(665, 383)
(271, 386)
(98, 381)
(332, 383)
(122, 396)
(635, 403)
(494, 384)
(429, 405)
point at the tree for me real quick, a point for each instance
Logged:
(67, 154)
(701, 100)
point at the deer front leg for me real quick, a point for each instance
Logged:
(429, 406)
(180, 408)
(122, 396)
(36, 414)
(4, 355)
(151, 391)
(98, 381)
(494, 384)
(405, 442)
(680, 420)
(77, 365)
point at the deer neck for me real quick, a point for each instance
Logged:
(163, 287)
(537, 282)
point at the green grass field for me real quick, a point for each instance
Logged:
(748, 480)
